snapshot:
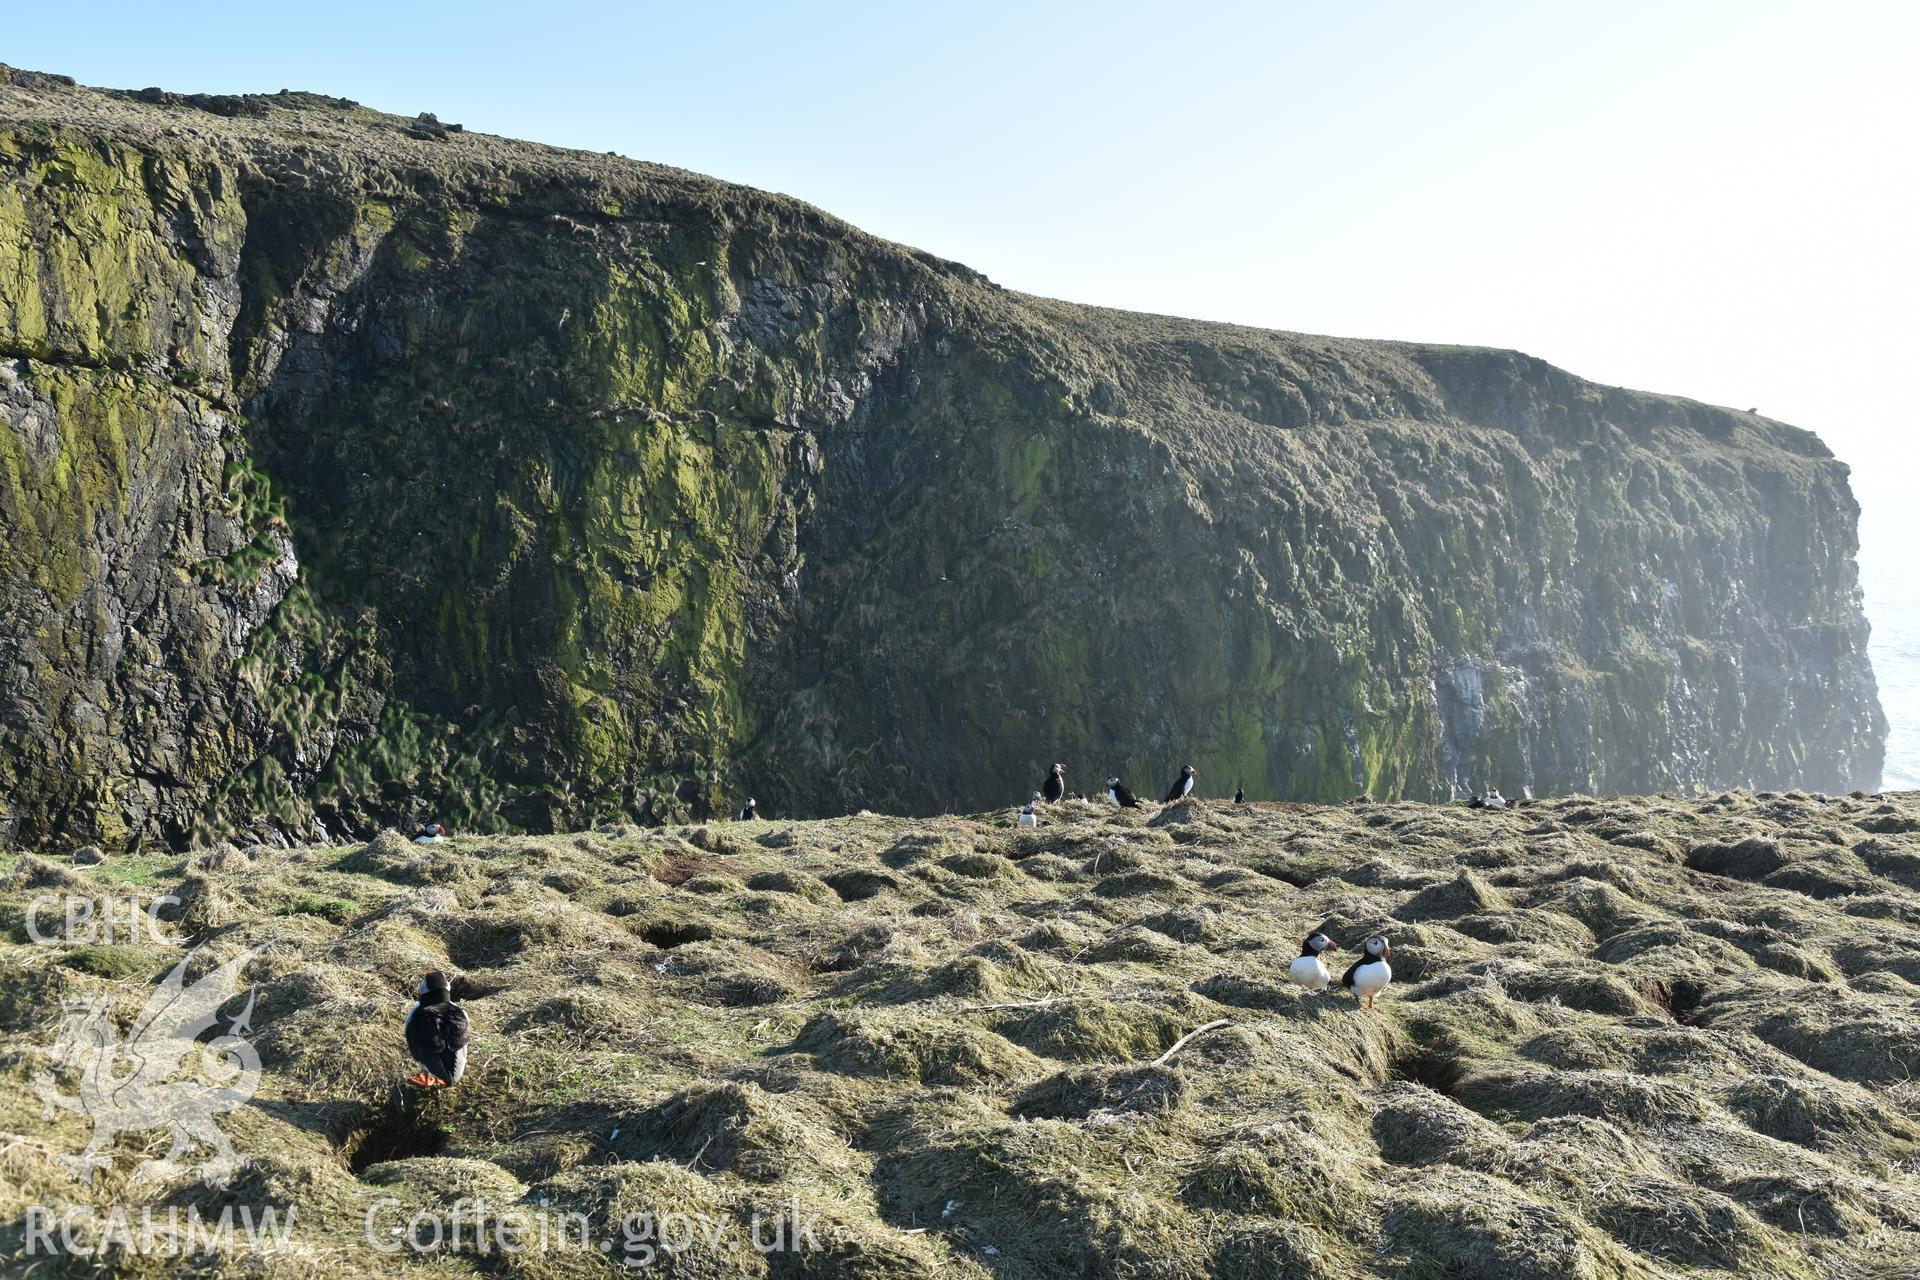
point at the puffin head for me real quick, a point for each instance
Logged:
(434, 988)
(1059, 768)
(1378, 948)
(1318, 942)
(1113, 782)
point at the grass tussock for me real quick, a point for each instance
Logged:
(1636, 1039)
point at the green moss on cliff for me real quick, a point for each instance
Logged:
(615, 491)
(91, 257)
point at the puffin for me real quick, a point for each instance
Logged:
(750, 811)
(1310, 970)
(1056, 784)
(1494, 799)
(1239, 794)
(1029, 816)
(1370, 974)
(432, 833)
(1182, 786)
(1118, 793)
(437, 1034)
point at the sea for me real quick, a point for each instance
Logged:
(1893, 607)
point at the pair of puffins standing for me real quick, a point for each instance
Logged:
(1366, 977)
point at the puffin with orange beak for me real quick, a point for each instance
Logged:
(1370, 974)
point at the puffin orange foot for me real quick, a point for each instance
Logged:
(426, 1080)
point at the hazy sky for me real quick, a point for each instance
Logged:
(1720, 200)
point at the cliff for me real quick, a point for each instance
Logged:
(356, 469)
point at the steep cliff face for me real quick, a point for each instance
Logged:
(354, 471)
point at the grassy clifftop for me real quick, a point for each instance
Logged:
(1626, 1038)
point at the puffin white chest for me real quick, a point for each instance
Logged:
(1310, 972)
(1371, 978)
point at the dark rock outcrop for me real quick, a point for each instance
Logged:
(350, 475)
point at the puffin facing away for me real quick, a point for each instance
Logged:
(1182, 786)
(1239, 794)
(1371, 973)
(1056, 784)
(1310, 970)
(1118, 793)
(437, 1034)
(750, 811)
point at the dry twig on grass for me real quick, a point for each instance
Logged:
(1181, 1043)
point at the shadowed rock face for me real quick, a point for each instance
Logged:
(354, 473)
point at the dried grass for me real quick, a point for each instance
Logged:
(1626, 1039)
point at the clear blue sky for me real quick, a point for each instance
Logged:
(1717, 199)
